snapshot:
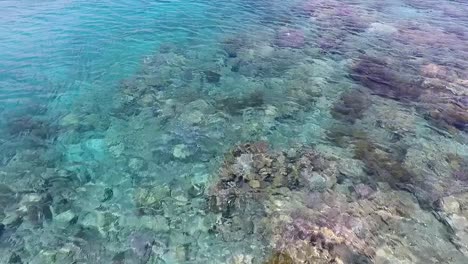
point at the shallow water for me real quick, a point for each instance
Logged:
(238, 131)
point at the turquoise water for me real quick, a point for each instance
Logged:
(244, 131)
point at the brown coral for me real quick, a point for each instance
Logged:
(253, 168)
(385, 164)
(383, 79)
(280, 258)
(251, 172)
(236, 105)
(449, 116)
(149, 200)
(351, 106)
(305, 242)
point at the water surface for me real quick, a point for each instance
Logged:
(243, 131)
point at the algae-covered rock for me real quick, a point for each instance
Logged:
(459, 225)
(141, 243)
(196, 190)
(280, 258)
(7, 197)
(179, 194)
(117, 150)
(241, 259)
(149, 200)
(65, 217)
(137, 164)
(450, 205)
(70, 120)
(317, 183)
(36, 208)
(103, 222)
(351, 106)
(65, 254)
(212, 76)
(181, 151)
(192, 117)
(155, 223)
(253, 168)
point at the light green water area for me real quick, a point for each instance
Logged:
(237, 132)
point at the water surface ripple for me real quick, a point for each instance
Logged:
(238, 132)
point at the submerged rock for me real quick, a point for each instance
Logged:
(280, 258)
(432, 70)
(7, 197)
(450, 116)
(65, 217)
(236, 105)
(304, 242)
(363, 190)
(385, 165)
(70, 120)
(181, 151)
(449, 205)
(459, 225)
(36, 208)
(149, 200)
(241, 259)
(212, 77)
(155, 223)
(32, 126)
(193, 117)
(379, 76)
(137, 164)
(142, 243)
(351, 106)
(233, 45)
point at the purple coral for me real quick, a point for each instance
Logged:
(299, 229)
(463, 101)
(314, 200)
(290, 38)
(363, 190)
(461, 175)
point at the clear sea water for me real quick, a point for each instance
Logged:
(243, 131)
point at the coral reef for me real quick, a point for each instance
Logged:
(381, 78)
(328, 227)
(251, 169)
